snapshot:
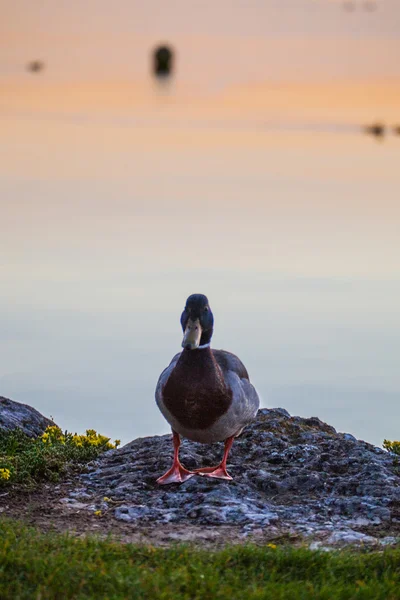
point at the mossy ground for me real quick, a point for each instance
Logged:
(46, 566)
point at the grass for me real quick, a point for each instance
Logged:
(41, 566)
(27, 461)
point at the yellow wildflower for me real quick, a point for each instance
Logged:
(272, 546)
(106, 499)
(77, 440)
(5, 474)
(97, 513)
(52, 434)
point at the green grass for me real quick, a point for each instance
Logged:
(41, 566)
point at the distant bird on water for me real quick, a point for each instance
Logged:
(35, 66)
(163, 60)
(204, 394)
(376, 129)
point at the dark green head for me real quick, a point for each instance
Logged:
(197, 322)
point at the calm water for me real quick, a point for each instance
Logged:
(113, 213)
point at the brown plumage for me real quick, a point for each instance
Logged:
(198, 402)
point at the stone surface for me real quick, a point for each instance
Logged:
(292, 475)
(14, 414)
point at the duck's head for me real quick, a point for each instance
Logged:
(197, 322)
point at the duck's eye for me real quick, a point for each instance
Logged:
(206, 309)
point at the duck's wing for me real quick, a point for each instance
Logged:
(230, 362)
(162, 380)
(245, 399)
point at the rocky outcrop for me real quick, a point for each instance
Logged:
(16, 415)
(292, 476)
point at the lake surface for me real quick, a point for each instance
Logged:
(119, 200)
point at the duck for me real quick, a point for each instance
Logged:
(204, 394)
(376, 129)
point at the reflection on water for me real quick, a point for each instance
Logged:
(112, 214)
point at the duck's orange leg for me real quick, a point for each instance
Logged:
(177, 473)
(219, 472)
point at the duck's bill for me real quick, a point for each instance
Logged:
(192, 335)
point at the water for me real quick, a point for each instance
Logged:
(118, 201)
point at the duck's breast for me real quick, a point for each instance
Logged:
(196, 394)
(204, 410)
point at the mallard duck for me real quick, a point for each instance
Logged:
(204, 394)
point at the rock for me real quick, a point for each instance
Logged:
(131, 513)
(74, 504)
(390, 540)
(16, 415)
(348, 537)
(317, 545)
(349, 437)
(292, 475)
